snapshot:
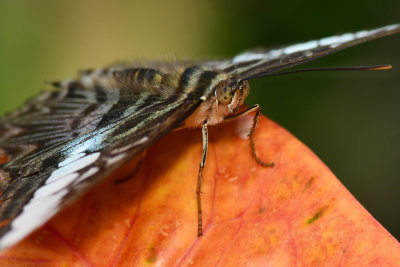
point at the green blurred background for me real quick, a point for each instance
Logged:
(350, 120)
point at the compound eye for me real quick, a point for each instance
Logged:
(224, 92)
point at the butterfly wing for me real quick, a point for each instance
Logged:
(264, 61)
(62, 142)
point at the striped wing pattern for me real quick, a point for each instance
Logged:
(264, 61)
(63, 141)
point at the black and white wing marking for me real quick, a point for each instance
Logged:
(264, 61)
(61, 142)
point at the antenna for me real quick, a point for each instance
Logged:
(356, 68)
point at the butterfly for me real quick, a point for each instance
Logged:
(65, 140)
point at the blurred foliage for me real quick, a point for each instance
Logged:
(350, 120)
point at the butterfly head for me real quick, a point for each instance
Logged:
(232, 93)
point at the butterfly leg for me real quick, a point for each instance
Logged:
(256, 108)
(134, 171)
(200, 179)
